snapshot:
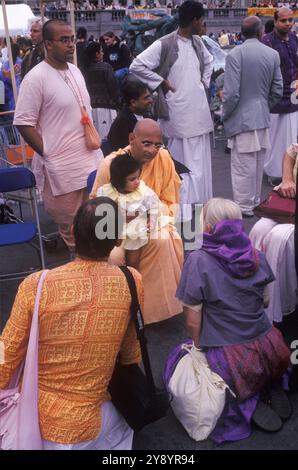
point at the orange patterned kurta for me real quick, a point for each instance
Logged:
(84, 322)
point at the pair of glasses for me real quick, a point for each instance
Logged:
(290, 20)
(65, 40)
(148, 144)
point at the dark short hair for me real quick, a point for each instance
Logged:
(189, 11)
(122, 166)
(93, 243)
(269, 26)
(91, 50)
(110, 34)
(81, 33)
(47, 29)
(132, 89)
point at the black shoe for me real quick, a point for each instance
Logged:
(280, 403)
(266, 419)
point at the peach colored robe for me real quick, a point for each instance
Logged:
(161, 260)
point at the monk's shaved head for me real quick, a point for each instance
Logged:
(146, 126)
(145, 140)
(251, 27)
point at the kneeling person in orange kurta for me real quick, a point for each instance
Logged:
(160, 260)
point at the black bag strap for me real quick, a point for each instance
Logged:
(136, 315)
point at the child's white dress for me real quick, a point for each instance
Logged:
(145, 206)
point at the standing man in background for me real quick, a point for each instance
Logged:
(252, 85)
(48, 116)
(137, 100)
(36, 54)
(81, 46)
(284, 116)
(179, 67)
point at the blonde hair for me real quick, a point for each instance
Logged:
(218, 208)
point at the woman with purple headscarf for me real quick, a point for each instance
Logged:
(222, 289)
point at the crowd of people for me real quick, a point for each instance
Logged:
(156, 163)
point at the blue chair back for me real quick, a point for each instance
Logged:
(90, 181)
(12, 179)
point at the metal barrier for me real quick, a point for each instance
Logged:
(10, 142)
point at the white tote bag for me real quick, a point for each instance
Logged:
(198, 394)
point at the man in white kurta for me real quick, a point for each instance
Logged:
(277, 242)
(48, 116)
(189, 123)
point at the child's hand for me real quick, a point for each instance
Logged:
(150, 226)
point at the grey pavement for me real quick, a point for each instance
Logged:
(167, 434)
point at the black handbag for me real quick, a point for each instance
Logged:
(6, 215)
(133, 392)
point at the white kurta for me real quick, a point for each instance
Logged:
(190, 119)
(248, 150)
(103, 119)
(283, 132)
(277, 242)
(48, 103)
(144, 205)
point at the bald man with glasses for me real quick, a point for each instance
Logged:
(160, 260)
(48, 116)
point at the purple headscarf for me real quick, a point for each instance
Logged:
(232, 248)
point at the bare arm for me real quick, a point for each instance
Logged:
(144, 64)
(193, 323)
(288, 186)
(32, 137)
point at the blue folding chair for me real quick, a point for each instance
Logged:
(90, 180)
(14, 179)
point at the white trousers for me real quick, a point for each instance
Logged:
(283, 133)
(195, 154)
(277, 242)
(103, 119)
(247, 175)
(115, 434)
